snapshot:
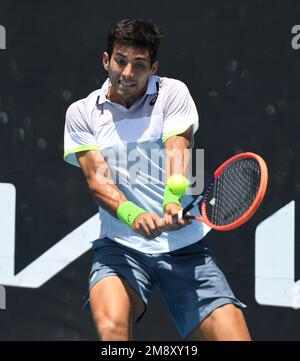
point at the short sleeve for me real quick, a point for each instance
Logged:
(180, 111)
(78, 136)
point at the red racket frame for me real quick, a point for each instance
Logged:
(257, 201)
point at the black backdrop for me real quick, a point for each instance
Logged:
(237, 59)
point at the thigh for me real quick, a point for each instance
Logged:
(119, 284)
(226, 323)
(195, 287)
(113, 299)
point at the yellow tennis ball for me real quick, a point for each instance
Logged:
(178, 184)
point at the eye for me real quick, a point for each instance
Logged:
(120, 61)
(140, 65)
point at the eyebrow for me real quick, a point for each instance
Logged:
(125, 57)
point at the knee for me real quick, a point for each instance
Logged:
(227, 313)
(113, 327)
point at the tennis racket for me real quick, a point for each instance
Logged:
(233, 194)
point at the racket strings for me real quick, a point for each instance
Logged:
(233, 191)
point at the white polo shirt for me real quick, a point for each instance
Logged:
(131, 140)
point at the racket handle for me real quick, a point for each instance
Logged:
(198, 199)
(182, 215)
(188, 217)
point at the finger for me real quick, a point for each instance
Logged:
(159, 224)
(145, 231)
(184, 222)
(142, 229)
(146, 225)
(181, 221)
(167, 219)
(152, 227)
(175, 218)
(188, 221)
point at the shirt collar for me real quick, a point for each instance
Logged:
(151, 88)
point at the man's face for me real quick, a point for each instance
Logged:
(129, 69)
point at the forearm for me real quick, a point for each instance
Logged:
(177, 162)
(99, 180)
(107, 195)
(177, 156)
(113, 200)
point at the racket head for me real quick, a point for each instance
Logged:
(237, 190)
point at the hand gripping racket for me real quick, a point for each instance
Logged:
(234, 193)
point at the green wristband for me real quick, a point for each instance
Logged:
(128, 211)
(170, 197)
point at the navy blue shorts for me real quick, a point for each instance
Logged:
(190, 282)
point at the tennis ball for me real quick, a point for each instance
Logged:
(178, 184)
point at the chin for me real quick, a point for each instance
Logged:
(123, 95)
(126, 95)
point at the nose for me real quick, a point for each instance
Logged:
(128, 71)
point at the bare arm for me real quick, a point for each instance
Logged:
(177, 162)
(177, 155)
(97, 175)
(110, 197)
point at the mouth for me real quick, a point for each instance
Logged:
(126, 84)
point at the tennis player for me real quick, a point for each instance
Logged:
(112, 135)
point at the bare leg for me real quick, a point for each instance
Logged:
(115, 306)
(226, 323)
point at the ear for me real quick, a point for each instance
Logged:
(105, 61)
(154, 67)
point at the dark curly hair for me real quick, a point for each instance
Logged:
(140, 33)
